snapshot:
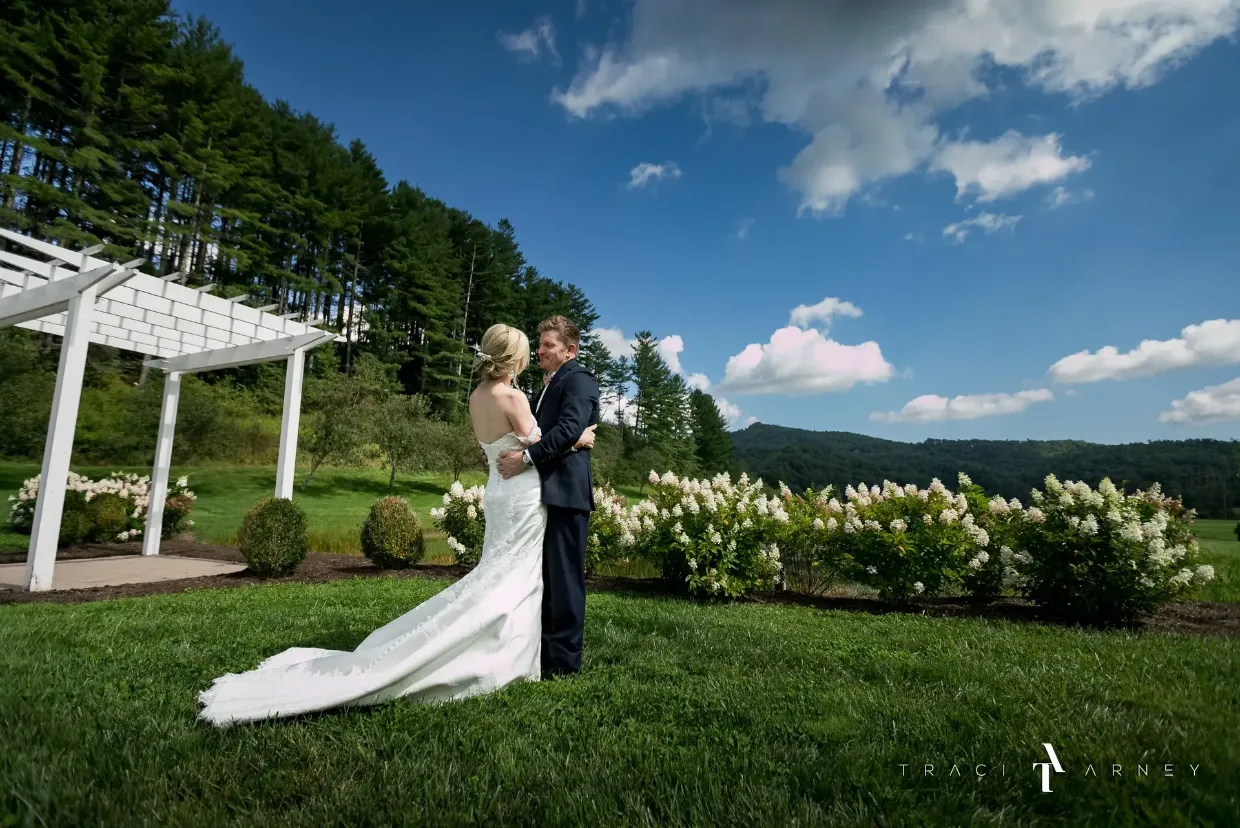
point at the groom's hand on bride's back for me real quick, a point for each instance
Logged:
(510, 464)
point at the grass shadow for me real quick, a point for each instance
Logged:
(368, 486)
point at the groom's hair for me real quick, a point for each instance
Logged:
(562, 325)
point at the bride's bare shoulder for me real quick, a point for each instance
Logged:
(518, 397)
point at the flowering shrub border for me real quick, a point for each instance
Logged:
(132, 489)
(1080, 554)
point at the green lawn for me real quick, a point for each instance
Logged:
(1222, 551)
(684, 714)
(336, 501)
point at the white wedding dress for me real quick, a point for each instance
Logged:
(475, 636)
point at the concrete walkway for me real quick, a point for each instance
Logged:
(123, 569)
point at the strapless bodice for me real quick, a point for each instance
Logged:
(509, 442)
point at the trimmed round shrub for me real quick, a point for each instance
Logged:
(74, 520)
(273, 537)
(176, 515)
(392, 534)
(108, 515)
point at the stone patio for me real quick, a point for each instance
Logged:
(122, 569)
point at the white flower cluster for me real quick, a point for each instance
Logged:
(133, 489)
(722, 531)
(1152, 546)
(462, 518)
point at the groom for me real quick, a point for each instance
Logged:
(567, 405)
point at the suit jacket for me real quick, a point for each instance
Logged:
(570, 403)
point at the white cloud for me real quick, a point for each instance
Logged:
(732, 414)
(645, 172)
(875, 139)
(803, 316)
(743, 227)
(531, 42)
(1216, 342)
(1212, 404)
(614, 341)
(670, 348)
(1008, 165)
(798, 362)
(1062, 197)
(614, 407)
(930, 408)
(698, 381)
(988, 222)
(868, 82)
(581, 8)
(618, 345)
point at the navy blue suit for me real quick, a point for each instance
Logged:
(569, 404)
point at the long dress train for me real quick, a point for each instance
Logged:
(475, 636)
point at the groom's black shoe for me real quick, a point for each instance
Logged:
(556, 675)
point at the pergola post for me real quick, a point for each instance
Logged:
(286, 466)
(58, 447)
(158, 491)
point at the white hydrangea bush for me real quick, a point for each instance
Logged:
(1100, 555)
(134, 490)
(903, 540)
(990, 573)
(614, 530)
(717, 537)
(463, 519)
(815, 557)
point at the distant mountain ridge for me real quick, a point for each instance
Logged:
(1203, 472)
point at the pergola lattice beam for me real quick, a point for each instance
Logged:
(53, 297)
(240, 354)
(193, 309)
(121, 325)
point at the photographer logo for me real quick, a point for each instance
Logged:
(1046, 767)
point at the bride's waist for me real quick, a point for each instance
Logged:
(525, 481)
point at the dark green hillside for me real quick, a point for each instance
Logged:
(1203, 472)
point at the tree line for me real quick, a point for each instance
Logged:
(127, 125)
(1203, 472)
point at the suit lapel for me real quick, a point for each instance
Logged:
(566, 368)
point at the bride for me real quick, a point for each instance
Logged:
(475, 636)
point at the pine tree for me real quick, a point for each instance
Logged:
(662, 410)
(711, 440)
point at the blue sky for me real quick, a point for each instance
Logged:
(1084, 151)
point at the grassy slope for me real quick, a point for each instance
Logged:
(685, 714)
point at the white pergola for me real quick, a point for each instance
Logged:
(84, 299)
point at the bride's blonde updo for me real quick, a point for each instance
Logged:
(504, 351)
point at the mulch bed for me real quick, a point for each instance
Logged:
(1190, 617)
